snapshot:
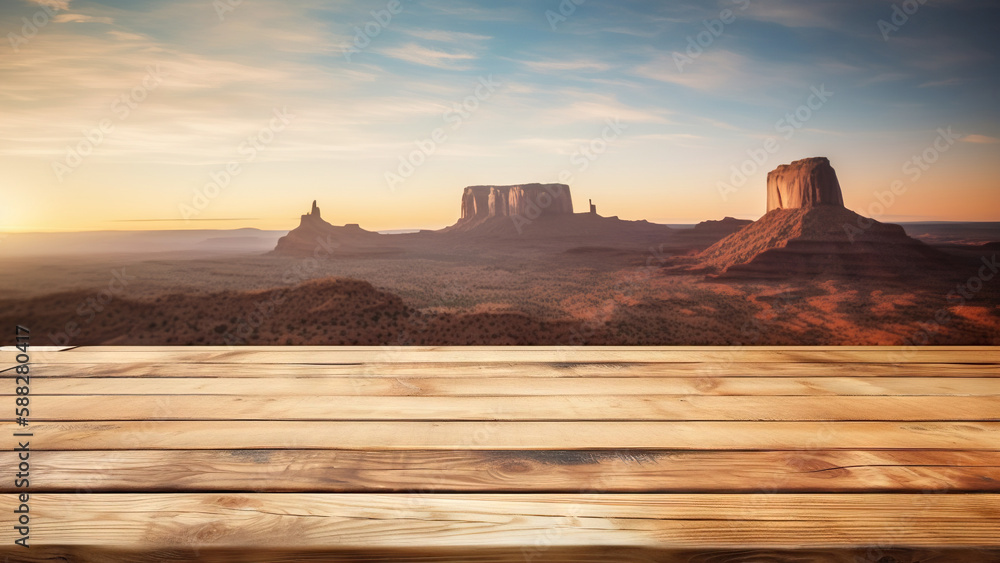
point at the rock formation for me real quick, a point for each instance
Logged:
(727, 225)
(508, 218)
(529, 200)
(804, 183)
(807, 231)
(706, 233)
(542, 214)
(314, 236)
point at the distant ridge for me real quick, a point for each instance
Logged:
(501, 217)
(314, 235)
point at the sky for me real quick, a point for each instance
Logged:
(132, 114)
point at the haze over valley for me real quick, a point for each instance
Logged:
(519, 266)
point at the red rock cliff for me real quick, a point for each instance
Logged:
(531, 200)
(804, 183)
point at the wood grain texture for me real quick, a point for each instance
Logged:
(161, 368)
(621, 471)
(708, 455)
(517, 386)
(491, 435)
(479, 554)
(576, 408)
(335, 521)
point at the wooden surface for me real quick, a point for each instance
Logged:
(509, 454)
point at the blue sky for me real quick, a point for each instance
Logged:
(212, 76)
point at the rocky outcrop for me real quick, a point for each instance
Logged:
(706, 234)
(499, 203)
(804, 183)
(475, 202)
(807, 232)
(529, 200)
(726, 226)
(542, 214)
(818, 241)
(314, 236)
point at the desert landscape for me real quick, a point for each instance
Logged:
(520, 267)
(557, 281)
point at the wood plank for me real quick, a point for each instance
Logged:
(510, 435)
(534, 408)
(523, 369)
(335, 521)
(615, 471)
(514, 354)
(522, 554)
(611, 480)
(517, 386)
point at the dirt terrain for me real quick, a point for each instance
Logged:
(535, 292)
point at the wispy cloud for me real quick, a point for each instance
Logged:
(827, 14)
(445, 36)
(980, 139)
(81, 18)
(574, 66)
(577, 106)
(610, 61)
(420, 55)
(943, 83)
(717, 71)
(54, 4)
(125, 36)
(491, 12)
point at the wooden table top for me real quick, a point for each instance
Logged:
(712, 455)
